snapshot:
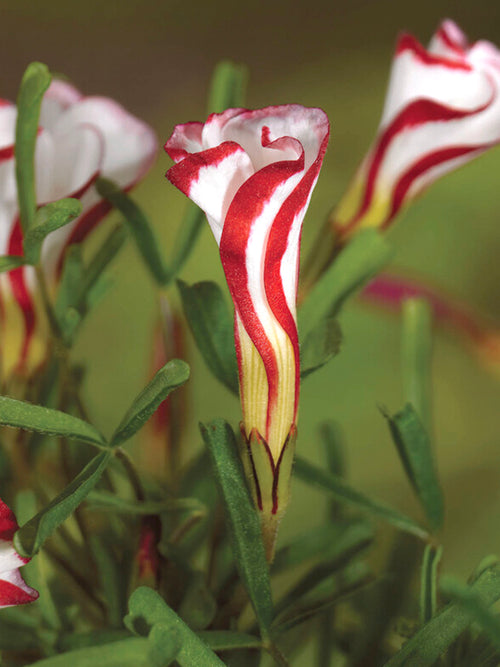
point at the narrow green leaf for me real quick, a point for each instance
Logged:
(35, 81)
(189, 231)
(78, 640)
(109, 501)
(68, 293)
(48, 219)
(359, 261)
(428, 582)
(10, 262)
(31, 536)
(109, 577)
(16, 635)
(140, 228)
(198, 606)
(320, 345)
(242, 520)
(29, 417)
(336, 556)
(322, 597)
(98, 264)
(131, 652)
(472, 603)
(416, 357)
(173, 375)
(227, 88)
(414, 448)
(311, 474)
(165, 645)
(224, 640)
(211, 324)
(434, 638)
(328, 542)
(147, 610)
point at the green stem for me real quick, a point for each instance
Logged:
(131, 472)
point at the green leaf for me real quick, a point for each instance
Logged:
(189, 230)
(18, 633)
(320, 345)
(242, 520)
(10, 262)
(336, 556)
(211, 324)
(472, 603)
(329, 542)
(428, 582)
(432, 640)
(165, 645)
(414, 448)
(224, 640)
(311, 474)
(173, 375)
(131, 652)
(140, 228)
(360, 260)
(106, 253)
(416, 357)
(198, 606)
(35, 81)
(29, 417)
(228, 86)
(48, 219)
(31, 536)
(109, 501)
(78, 640)
(68, 293)
(147, 610)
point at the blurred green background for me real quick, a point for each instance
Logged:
(156, 58)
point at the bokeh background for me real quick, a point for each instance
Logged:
(156, 58)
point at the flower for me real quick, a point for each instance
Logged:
(442, 109)
(13, 589)
(253, 173)
(80, 138)
(390, 290)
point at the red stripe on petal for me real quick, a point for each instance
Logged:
(6, 153)
(245, 208)
(407, 42)
(11, 595)
(276, 248)
(20, 291)
(421, 167)
(417, 113)
(184, 174)
(8, 522)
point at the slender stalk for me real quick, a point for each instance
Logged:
(130, 469)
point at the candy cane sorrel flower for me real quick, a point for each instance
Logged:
(80, 138)
(13, 589)
(253, 173)
(442, 109)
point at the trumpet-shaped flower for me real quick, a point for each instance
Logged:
(253, 173)
(79, 139)
(442, 109)
(13, 589)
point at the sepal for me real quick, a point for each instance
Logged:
(269, 482)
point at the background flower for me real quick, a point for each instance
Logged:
(80, 138)
(442, 109)
(13, 589)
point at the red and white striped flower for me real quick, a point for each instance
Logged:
(80, 138)
(13, 589)
(253, 173)
(442, 109)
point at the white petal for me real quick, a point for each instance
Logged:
(129, 145)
